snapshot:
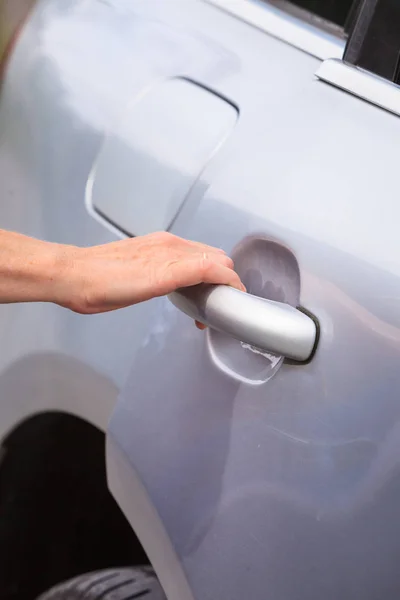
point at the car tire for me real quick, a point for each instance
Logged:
(111, 584)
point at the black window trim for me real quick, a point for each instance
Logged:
(374, 39)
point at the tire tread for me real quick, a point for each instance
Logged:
(112, 584)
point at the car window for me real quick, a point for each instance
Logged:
(371, 27)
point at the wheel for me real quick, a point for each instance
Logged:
(112, 584)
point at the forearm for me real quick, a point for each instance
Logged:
(30, 270)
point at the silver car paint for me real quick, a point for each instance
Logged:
(242, 477)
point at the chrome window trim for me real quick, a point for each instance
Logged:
(276, 22)
(362, 84)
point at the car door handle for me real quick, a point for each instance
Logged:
(265, 324)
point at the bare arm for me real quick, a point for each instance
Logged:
(107, 277)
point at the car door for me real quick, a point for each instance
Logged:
(245, 474)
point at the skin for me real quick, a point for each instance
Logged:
(108, 277)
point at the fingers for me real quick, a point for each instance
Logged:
(219, 258)
(217, 269)
(217, 273)
(220, 272)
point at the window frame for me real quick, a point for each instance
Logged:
(374, 42)
(312, 36)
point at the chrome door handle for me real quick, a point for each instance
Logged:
(267, 325)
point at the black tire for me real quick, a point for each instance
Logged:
(112, 584)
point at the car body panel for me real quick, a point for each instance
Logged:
(268, 489)
(57, 107)
(281, 486)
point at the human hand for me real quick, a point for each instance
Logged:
(115, 275)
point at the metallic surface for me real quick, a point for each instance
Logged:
(363, 84)
(274, 21)
(177, 118)
(267, 325)
(286, 488)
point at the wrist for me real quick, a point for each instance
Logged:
(46, 273)
(32, 270)
(62, 276)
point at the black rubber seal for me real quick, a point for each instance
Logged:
(290, 361)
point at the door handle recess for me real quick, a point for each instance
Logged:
(267, 325)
